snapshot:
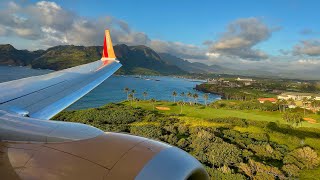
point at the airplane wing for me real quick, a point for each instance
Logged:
(34, 147)
(44, 96)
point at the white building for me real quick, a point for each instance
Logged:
(246, 80)
(298, 96)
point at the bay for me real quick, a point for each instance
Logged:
(112, 90)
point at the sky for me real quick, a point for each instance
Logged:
(277, 36)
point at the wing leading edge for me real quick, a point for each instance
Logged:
(44, 96)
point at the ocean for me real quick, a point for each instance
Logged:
(112, 90)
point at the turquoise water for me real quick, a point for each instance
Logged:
(112, 90)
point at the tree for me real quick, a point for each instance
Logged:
(152, 101)
(291, 101)
(224, 154)
(284, 104)
(304, 157)
(145, 94)
(257, 170)
(130, 96)
(205, 97)
(314, 104)
(291, 170)
(133, 92)
(279, 105)
(174, 94)
(195, 97)
(189, 97)
(149, 130)
(182, 96)
(294, 118)
(181, 104)
(127, 91)
(304, 102)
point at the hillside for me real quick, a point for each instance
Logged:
(11, 56)
(62, 57)
(135, 59)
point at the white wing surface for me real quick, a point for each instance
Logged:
(44, 96)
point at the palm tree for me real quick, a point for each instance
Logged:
(304, 102)
(127, 91)
(174, 94)
(298, 118)
(145, 94)
(180, 103)
(284, 104)
(279, 105)
(291, 101)
(182, 95)
(153, 101)
(205, 97)
(130, 96)
(195, 97)
(314, 103)
(133, 92)
(189, 97)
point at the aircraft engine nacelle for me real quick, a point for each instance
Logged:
(40, 149)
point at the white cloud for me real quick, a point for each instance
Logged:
(308, 47)
(240, 38)
(213, 55)
(309, 61)
(186, 51)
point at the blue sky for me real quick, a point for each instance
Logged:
(278, 35)
(193, 22)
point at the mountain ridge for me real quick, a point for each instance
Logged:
(192, 67)
(138, 59)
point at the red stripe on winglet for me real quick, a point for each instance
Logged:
(105, 50)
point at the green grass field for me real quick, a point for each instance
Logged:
(198, 116)
(209, 113)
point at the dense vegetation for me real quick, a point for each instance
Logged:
(229, 147)
(235, 93)
(234, 90)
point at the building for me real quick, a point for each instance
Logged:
(263, 100)
(298, 96)
(244, 80)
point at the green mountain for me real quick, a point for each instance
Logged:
(62, 57)
(135, 59)
(11, 56)
(190, 67)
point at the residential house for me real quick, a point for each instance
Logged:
(263, 100)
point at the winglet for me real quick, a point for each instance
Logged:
(108, 52)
